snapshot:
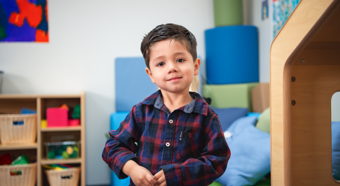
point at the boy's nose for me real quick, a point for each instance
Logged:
(172, 67)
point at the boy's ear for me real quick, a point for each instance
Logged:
(147, 70)
(197, 66)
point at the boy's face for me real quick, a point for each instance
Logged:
(172, 68)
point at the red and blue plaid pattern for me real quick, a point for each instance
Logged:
(187, 144)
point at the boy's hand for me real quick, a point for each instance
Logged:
(160, 177)
(142, 177)
(139, 175)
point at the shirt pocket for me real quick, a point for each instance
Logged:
(186, 147)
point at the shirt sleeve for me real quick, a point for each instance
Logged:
(210, 164)
(121, 147)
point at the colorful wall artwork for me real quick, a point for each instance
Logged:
(265, 10)
(23, 21)
(281, 11)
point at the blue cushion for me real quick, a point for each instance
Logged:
(250, 153)
(116, 119)
(228, 115)
(254, 114)
(133, 85)
(336, 150)
(232, 54)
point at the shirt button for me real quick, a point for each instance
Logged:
(167, 144)
(171, 121)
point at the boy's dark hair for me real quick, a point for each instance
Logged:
(168, 31)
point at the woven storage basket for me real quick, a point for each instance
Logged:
(28, 175)
(67, 177)
(16, 128)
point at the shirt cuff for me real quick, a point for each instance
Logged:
(173, 174)
(119, 166)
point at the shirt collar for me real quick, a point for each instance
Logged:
(198, 105)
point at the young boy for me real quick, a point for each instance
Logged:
(172, 137)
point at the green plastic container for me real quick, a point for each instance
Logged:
(228, 12)
(21, 160)
(62, 150)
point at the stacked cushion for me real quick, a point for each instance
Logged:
(228, 12)
(116, 119)
(336, 150)
(264, 121)
(133, 85)
(250, 153)
(232, 55)
(228, 115)
(232, 95)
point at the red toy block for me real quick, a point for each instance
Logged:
(5, 159)
(74, 122)
(56, 117)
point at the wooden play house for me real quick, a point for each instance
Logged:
(304, 75)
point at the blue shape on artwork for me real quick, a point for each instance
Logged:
(43, 24)
(3, 20)
(9, 7)
(282, 9)
(23, 33)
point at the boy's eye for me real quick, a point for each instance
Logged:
(160, 64)
(180, 60)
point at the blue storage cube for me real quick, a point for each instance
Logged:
(232, 55)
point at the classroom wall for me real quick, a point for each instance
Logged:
(253, 12)
(85, 38)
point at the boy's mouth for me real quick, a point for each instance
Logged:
(174, 78)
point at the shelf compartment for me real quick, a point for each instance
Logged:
(18, 146)
(14, 106)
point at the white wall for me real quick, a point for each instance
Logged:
(85, 38)
(336, 107)
(253, 11)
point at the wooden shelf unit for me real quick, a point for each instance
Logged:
(13, 103)
(304, 74)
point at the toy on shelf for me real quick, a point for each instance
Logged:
(5, 159)
(56, 117)
(27, 111)
(43, 123)
(21, 160)
(76, 112)
(62, 116)
(62, 150)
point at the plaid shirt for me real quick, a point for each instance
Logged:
(187, 144)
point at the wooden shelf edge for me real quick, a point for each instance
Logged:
(45, 161)
(54, 129)
(34, 96)
(18, 146)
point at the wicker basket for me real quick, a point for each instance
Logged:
(67, 177)
(27, 176)
(17, 128)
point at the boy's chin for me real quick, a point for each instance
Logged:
(175, 90)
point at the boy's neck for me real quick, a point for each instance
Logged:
(174, 101)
